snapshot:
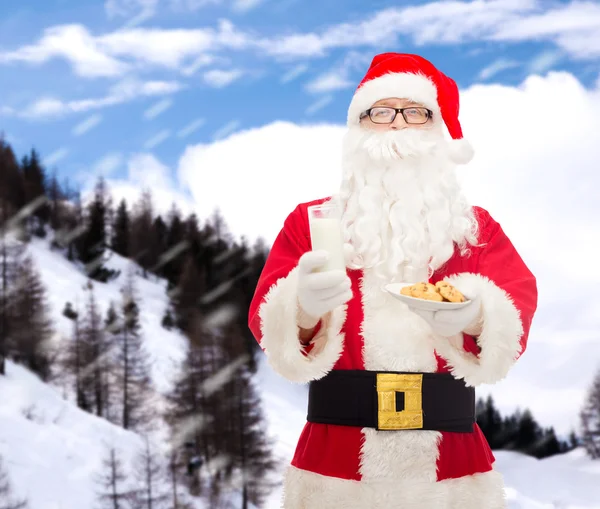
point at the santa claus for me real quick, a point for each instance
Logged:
(391, 418)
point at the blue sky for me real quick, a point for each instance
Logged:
(88, 82)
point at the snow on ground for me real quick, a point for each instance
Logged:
(51, 448)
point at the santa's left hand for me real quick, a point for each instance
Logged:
(450, 322)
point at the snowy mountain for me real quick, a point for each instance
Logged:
(52, 450)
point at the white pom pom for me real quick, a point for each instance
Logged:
(460, 151)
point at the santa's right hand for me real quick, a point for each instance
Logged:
(319, 292)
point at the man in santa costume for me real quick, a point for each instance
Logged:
(391, 418)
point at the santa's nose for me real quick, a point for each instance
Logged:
(398, 123)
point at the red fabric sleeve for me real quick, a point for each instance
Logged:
(500, 262)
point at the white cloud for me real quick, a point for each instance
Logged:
(497, 66)
(245, 5)
(144, 171)
(219, 78)
(202, 61)
(127, 8)
(191, 127)
(328, 82)
(107, 55)
(294, 72)
(544, 62)
(226, 130)
(157, 139)
(574, 28)
(192, 5)
(56, 156)
(85, 125)
(73, 43)
(319, 104)
(105, 167)
(108, 164)
(158, 108)
(121, 92)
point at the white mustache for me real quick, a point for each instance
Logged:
(394, 145)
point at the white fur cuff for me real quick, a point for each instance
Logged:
(499, 339)
(279, 327)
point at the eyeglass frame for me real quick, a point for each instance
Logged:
(367, 113)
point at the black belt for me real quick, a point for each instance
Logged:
(392, 401)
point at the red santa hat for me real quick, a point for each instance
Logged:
(413, 77)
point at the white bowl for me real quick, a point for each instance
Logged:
(429, 305)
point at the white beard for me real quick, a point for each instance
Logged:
(403, 210)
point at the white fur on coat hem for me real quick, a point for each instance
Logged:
(499, 339)
(307, 490)
(279, 327)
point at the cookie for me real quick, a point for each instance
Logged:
(448, 292)
(425, 291)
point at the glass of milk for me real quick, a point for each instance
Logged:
(326, 233)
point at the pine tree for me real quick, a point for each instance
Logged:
(12, 186)
(56, 199)
(34, 179)
(590, 419)
(547, 445)
(175, 244)
(151, 480)
(247, 444)
(95, 357)
(121, 230)
(73, 361)
(490, 422)
(190, 414)
(191, 287)
(92, 244)
(113, 493)
(133, 363)
(175, 467)
(529, 433)
(159, 246)
(573, 442)
(168, 322)
(142, 243)
(31, 325)
(112, 329)
(11, 252)
(7, 500)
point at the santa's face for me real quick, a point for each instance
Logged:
(404, 212)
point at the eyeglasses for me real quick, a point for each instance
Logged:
(386, 115)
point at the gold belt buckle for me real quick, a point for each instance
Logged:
(388, 384)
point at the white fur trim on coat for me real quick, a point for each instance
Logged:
(416, 87)
(499, 339)
(307, 490)
(285, 354)
(395, 339)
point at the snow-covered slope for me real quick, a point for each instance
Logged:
(52, 450)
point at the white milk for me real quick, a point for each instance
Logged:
(325, 233)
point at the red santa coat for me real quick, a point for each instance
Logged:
(351, 467)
